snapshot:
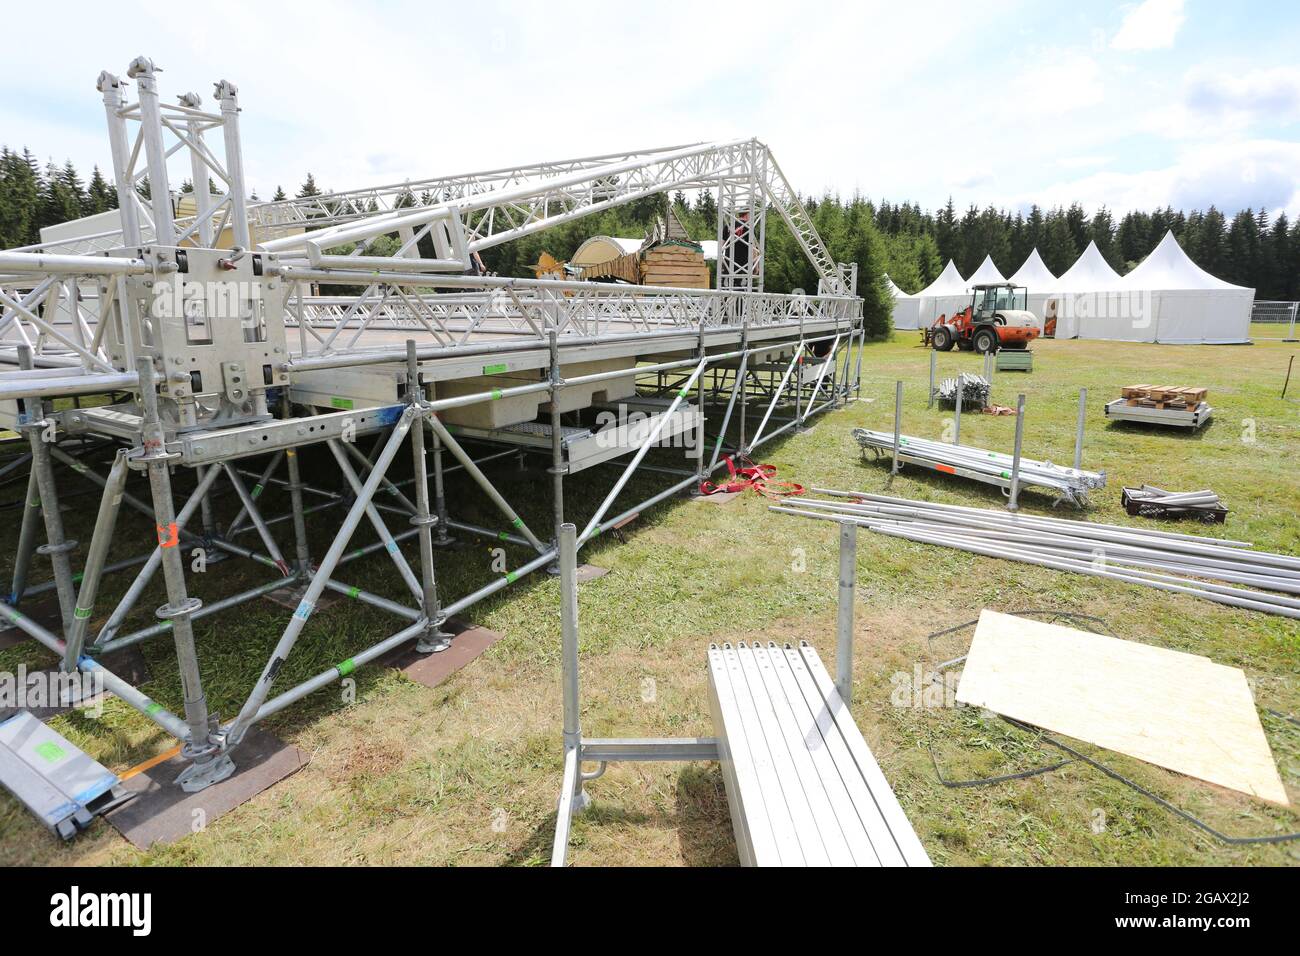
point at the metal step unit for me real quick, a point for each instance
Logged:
(58, 782)
(584, 447)
(1193, 418)
(802, 785)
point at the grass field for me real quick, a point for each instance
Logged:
(468, 773)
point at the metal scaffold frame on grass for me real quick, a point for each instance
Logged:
(216, 399)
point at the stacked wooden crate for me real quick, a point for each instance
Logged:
(675, 262)
(1181, 405)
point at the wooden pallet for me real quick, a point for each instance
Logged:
(1164, 396)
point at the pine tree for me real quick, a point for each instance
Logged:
(309, 188)
(100, 196)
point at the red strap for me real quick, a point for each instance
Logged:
(751, 475)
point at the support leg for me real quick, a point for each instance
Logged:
(26, 539)
(302, 554)
(209, 764)
(442, 539)
(1014, 503)
(100, 542)
(56, 546)
(848, 584)
(434, 639)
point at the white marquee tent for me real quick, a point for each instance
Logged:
(987, 272)
(906, 307)
(1040, 285)
(944, 296)
(1092, 304)
(1181, 303)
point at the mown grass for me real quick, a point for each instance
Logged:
(468, 773)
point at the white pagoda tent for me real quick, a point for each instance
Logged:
(906, 307)
(986, 273)
(944, 296)
(1183, 304)
(1092, 303)
(1040, 287)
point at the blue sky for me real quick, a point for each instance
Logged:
(1131, 105)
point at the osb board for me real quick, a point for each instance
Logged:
(1179, 711)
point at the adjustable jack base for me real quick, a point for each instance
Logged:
(200, 776)
(434, 640)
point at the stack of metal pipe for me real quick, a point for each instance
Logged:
(965, 461)
(973, 389)
(1165, 560)
(1149, 494)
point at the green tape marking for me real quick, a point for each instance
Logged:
(354, 591)
(346, 667)
(153, 708)
(81, 613)
(257, 490)
(518, 522)
(338, 402)
(512, 577)
(495, 369)
(685, 393)
(50, 752)
(503, 535)
(496, 393)
(76, 578)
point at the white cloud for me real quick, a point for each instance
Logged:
(1083, 162)
(1232, 176)
(868, 96)
(1243, 98)
(1151, 25)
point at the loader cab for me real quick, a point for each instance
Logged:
(986, 300)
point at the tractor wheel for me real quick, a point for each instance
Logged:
(986, 340)
(942, 339)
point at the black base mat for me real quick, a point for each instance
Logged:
(164, 813)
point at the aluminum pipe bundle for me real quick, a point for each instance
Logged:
(1178, 563)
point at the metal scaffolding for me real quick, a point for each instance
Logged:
(224, 341)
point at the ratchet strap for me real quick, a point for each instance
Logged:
(749, 475)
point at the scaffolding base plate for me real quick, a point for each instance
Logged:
(163, 813)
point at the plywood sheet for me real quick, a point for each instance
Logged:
(1179, 711)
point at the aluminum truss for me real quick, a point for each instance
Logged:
(199, 340)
